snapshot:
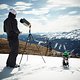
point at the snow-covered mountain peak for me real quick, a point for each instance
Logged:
(74, 34)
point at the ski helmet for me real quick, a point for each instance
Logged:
(13, 11)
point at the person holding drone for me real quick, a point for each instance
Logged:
(11, 28)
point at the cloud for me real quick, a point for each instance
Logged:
(64, 2)
(64, 23)
(3, 15)
(61, 24)
(40, 11)
(36, 26)
(61, 4)
(34, 0)
(43, 21)
(72, 12)
(4, 6)
(22, 4)
(21, 7)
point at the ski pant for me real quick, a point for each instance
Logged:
(13, 44)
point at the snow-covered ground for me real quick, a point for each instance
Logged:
(36, 69)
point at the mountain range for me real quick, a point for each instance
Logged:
(59, 41)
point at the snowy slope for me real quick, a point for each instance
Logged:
(74, 34)
(36, 69)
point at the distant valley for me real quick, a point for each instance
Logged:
(58, 41)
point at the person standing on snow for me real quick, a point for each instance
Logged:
(11, 28)
(65, 59)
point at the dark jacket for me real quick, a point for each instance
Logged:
(10, 26)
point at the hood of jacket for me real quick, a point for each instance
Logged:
(12, 16)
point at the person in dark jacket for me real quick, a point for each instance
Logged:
(11, 28)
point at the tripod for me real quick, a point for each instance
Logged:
(28, 41)
(49, 48)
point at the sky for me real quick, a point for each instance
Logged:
(44, 15)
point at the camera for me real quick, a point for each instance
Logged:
(25, 22)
